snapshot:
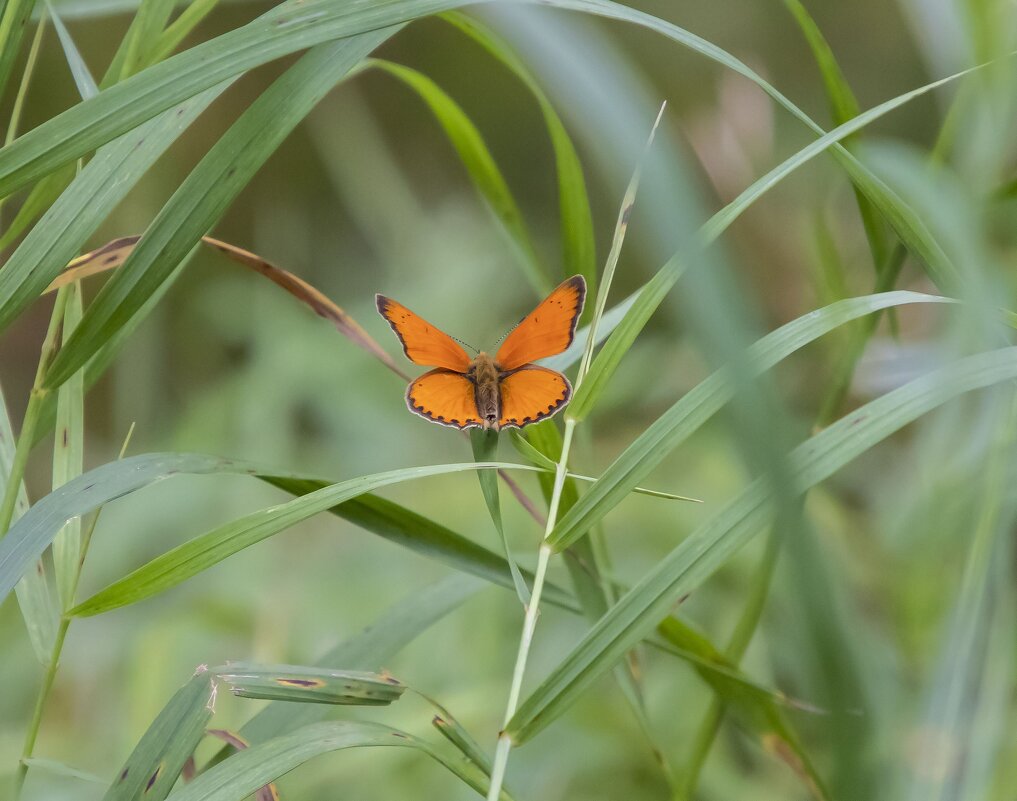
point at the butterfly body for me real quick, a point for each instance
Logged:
(486, 377)
(490, 392)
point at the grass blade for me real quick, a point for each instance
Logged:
(421, 535)
(206, 193)
(310, 685)
(480, 165)
(485, 449)
(655, 290)
(35, 599)
(243, 773)
(61, 233)
(710, 545)
(153, 767)
(68, 458)
(199, 554)
(577, 241)
(13, 19)
(698, 405)
(79, 69)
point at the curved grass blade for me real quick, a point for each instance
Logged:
(480, 165)
(655, 290)
(579, 254)
(153, 767)
(698, 405)
(206, 193)
(714, 542)
(60, 769)
(202, 552)
(62, 231)
(32, 534)
(843, 106)
(243, 773)
(421, 535)
(485, 449)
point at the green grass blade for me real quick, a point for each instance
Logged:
(153, 767)
(480, 165)
(843, 106)
(485, 449)
(371, 649)
(206, 193)
(714, 542)
(42, 196)
(698, 405)
(68, 457)
(310, 685)
(421, 535)
(178, 30)
(61, 233)
(32, 534)
(147, 24)
(13, 19)
(655, 290)
(237, 777)
(60, 769)
(34, 597)
(577, 239)
(202, 552)
(79, 69)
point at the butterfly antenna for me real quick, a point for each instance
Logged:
(466, 345)
(502, 337)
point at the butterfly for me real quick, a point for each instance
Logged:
(491, 392)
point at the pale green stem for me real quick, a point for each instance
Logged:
(501, 754)
(35, 399)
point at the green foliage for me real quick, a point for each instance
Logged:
(867, 644)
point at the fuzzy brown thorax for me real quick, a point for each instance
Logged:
(485, 376)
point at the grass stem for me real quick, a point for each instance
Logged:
(504, 747)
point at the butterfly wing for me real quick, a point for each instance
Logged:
(444, 397)
(531, 394)
(548, 329)
(422, 342)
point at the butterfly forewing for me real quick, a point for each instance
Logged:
(531, 394)
(548, 329)
(445, 397)
(423, 343)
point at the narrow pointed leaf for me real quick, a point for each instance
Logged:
(153, 767)
(243, 773)
(715, 541)
(203, 197)
(480, 165)
(702, 402)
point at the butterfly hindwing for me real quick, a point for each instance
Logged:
(548, 329)
(422, 342)
(530, 394)
(445, 397)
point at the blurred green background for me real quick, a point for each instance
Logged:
(368, 196)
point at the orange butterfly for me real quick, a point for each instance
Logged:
(485, 392)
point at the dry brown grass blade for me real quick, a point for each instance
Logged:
(113, 254)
